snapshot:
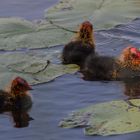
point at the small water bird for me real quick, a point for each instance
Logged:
(17, 97)
(83, 44)
(127, 65)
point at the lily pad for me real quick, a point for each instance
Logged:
(110, 118)
(102, 13)
(33, 66)
(17, 34)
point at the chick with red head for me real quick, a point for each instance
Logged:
(83, 44)
(17, 97)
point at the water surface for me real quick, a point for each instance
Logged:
(54, 100)
(28, 9)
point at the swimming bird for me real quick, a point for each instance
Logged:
(76, 51)
(17, 97)
(127, 65)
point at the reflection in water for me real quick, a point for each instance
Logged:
(17, 101)
(21, 118)
(132, 88)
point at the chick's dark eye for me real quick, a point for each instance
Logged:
(19, 85)
(22, 83)
(133, 55)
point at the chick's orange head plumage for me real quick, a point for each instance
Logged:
(130, 57)
(135, 53)
(20, 84)
(85, 33)
(86, 27)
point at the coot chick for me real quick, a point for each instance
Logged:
(17, 97)
(111, 68)
(76, 51)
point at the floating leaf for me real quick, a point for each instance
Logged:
(33, 66)
(110, 118)
(17, 33)
(23, 35)
(102, 13)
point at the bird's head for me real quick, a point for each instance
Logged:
(85, 33)
(131, 56)
(19, 85)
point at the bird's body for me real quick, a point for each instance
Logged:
(75, 52)
(99, 68)
(110, 68)
(5, 101)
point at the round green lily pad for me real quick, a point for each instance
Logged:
(110, 118)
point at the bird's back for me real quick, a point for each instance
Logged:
(76, 52)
